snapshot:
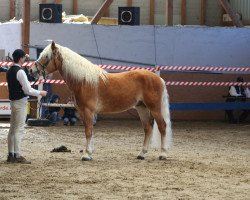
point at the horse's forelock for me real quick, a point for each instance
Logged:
(46, 52)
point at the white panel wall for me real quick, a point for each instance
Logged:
(174, 45)
(203, 46)
(10, 37)
(127, 45)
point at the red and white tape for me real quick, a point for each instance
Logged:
(126, 68)
(170, 68)
(212, 69)
(170, 83)
(28, 64)
(182, 83)
(158, 68)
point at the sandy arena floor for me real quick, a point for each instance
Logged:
(209, 160)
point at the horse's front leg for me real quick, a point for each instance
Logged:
(88, 123)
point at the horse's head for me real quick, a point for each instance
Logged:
(46, 63)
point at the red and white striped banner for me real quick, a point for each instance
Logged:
(28, 64)
(213, 69)
(170, 83)
(170, 68)
(182, 83)
(158, 68)
(126, 68)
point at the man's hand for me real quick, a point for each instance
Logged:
(43, 93)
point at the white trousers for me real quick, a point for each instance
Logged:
(17, 123)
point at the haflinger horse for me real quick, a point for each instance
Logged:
(96, 91)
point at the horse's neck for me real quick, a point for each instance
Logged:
(73, 84)
(68, 80)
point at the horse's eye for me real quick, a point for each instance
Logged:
(46, 56)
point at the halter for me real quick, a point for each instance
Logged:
(44, 65)
(43, 68)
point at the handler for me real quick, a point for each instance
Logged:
(19, 89)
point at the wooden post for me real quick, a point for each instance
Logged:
(101, 11)
(183, 12)
(152, 12)
(75, 7)
(106, 13)
(129, 3)
(169, 14)
(12, 9)
(236, 21)
(57, 1)
(203, 12)
(26, 27)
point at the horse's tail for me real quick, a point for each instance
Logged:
(156, 136)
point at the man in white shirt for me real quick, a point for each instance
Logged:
(19, 89)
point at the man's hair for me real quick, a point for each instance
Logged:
(17, 54)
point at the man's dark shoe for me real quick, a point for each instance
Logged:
(11, 159)
(22, 160)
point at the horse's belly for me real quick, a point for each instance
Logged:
(116, 106)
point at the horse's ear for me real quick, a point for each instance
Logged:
(53, 45)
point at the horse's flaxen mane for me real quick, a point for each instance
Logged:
(79, 68)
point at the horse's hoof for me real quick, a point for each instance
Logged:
(86, 159)
(140, 158)
(162, 158)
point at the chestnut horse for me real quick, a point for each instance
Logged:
(96, 91)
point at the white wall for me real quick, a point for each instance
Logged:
(196, 46)
(10, 37)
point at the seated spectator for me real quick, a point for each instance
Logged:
(247, 92)
(54, 111)
(69, 114)
(44, 109)
(236, 91)
(3, 69)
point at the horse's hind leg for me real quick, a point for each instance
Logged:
(162, 129)
(147, 123)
